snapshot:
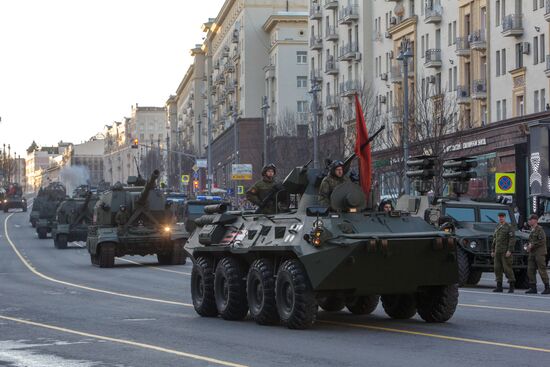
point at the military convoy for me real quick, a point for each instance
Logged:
(149, 228)
(44, 207)
(74, 215)
(472, 222)
(281, 267)
(13, 198)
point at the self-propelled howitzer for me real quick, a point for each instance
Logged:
(281, 267)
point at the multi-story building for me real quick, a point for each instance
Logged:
(37, 160)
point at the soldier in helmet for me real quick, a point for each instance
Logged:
(335, 178)
(262, 192)
(504, 240)
(121, 217)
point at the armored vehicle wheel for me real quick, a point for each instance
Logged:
(60, 242)
(202, 287)
(463, 267)
(107, 255)
(260, 290)
(230, 289)
(522, 279)
(332, 303)
(474, 277)
(399, 306)
(438, 304)
(363, 305)
(42, 233)
(295, 299)
(94, 259)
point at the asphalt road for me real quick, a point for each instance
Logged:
(57, 310)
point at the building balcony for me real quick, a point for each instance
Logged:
(462, 46)
(331, 67)
(463, 94)
(220, 79)
(331, 4)
(396, 114)
(349, 88)
(478, 41)
(229, 68)
(433, 58)
(315, 76)
(316, 43)
(547, 12)
(512, 25)
(396, 74)
(348, 14)
(315, 12)
(331, 34)
(479, 89)
(332, 102)
(349, 52)
(547, 70)
(433, 14)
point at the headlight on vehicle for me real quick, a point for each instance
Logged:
(473, 244)
(525, 246)
(167, 229)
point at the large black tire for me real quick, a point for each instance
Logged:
(33, 223)
(474, 277)
(60, 242)
(107, 255)
(463, 267)
(230, 289)
(438, 304)
(522, 279)
(332, 303)
(295, 299)
(399, 306)
(260, 291)
(42, 232)
(94, 259)
(202, 287)
(363, 305)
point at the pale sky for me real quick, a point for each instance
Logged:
(68, 67)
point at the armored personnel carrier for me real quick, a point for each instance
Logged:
(74, 215)
(281, 267)
(44, 208)
(147, 226)
(14, 198)
(472, 222)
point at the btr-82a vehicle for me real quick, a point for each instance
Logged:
(74, 215)
(149, 226)
(281, 267)
(44, 208)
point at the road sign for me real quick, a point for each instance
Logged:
(505, 183)
(241, 172)
(195, 175)
(201, 163)
(195, 168)
(240, 190)
(185, 179)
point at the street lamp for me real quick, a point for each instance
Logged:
(315, 88)
(265, 107)
(404, 55)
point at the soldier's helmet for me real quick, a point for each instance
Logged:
(334, 165)
(118, 186)
(267, 167)
(122, 207)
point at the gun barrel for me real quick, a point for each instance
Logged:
(348, 160)
(148, 187)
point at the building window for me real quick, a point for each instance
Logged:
(450, 31)
(455, 78)
(543, 100)
(499, 116)
(497, 13)
(535, 50)
(301, 57)
(520, 106)
(503, 62)
(454, 32)
(498, 63)
(504, 109)
(302, 107)
(536, 101)
(301, 81)
(542, 48)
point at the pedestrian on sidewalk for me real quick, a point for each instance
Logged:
(537, 256)
(504, 241)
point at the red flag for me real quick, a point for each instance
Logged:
(362, 149)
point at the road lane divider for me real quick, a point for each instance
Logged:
(124, 341)
(154, 267)
(29, 266)
(490, 293)
(530, 310)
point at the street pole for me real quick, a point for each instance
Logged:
(209, 114)
(404, 56)
(315, 88)
(265, 107)
(236, 145)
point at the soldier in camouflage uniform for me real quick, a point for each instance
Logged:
(260, 193)
(335, 178)
(504, 240)
(537, 256)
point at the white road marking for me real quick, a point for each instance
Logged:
(154, 267)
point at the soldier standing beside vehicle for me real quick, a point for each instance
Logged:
(262, 192)
(537, 256)
(504, 240)
(121, 218)
(336, 177)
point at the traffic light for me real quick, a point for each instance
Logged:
(421, 171)
(459, 173)
(135, 143)
(196, 185)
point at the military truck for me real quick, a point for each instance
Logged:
(471, 221)
(281, 267)
(149, 228)
(74, 215)
(2, 197)
(44, 208)
(14, 198)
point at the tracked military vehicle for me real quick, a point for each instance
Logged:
(149, 226)
(14, 198)
(74, 215)
(281, 267)
(44, 208)
(472, 222)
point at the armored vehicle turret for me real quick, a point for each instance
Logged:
(44, 208)
(135, 220)
(13, 198)
(281, 267)
(74, 215)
